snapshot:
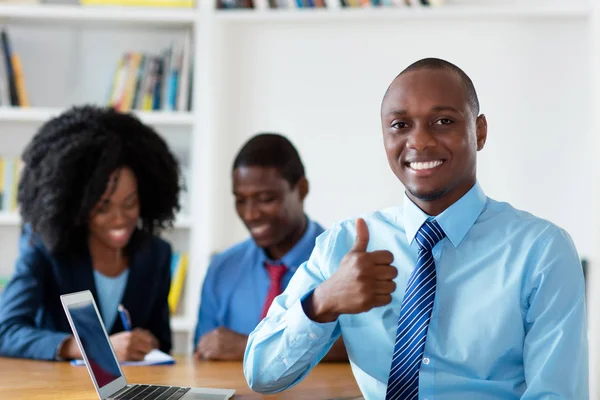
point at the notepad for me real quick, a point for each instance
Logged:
(155, 357)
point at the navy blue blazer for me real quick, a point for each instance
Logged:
(32, 321)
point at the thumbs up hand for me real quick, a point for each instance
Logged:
(364, 280)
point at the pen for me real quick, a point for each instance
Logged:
(124, 317)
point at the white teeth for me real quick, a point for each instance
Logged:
(425, 165)
(259, 229)
(118, 232)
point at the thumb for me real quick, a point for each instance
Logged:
(362, 236)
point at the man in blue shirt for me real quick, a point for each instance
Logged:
(269, 186)
(451, 296)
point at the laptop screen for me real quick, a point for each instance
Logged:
(94, 342)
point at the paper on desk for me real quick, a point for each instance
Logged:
(155, 357)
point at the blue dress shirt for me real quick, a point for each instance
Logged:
(508, 322)
(237, 282)
(110, 293)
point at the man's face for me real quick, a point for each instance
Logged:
(270, 208)
(432, 136)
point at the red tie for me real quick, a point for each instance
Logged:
(276, 272)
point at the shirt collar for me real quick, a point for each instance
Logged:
(456, 220)
(301, 250)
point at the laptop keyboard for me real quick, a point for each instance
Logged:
(152, 392)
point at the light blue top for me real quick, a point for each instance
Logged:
(237, 282)
(110, 293)
(509, 319)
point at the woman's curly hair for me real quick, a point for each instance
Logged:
(67, 166)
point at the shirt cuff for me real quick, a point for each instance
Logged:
(304, 327)
(57, 356)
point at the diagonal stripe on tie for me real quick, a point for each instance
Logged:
(415, 314)
(416, 292)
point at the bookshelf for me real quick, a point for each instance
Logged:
(317, 75)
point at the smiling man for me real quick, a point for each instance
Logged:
(451, 296)
(269, 185)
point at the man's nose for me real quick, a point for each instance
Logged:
(420, 138)
(251, 211)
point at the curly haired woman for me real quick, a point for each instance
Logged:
(96, 188)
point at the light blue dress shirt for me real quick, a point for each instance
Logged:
(237, 282)
(509, 319)
(110, 293)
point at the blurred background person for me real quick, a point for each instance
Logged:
(96, 188)
(269, 186)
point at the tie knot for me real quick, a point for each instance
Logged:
(276, 271)
(429, 234)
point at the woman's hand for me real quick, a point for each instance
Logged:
(133, 345)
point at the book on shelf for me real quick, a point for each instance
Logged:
(12, 80)
(179, 265)
(10, 171)
(154, 82)
(291, 4)
(228, 4)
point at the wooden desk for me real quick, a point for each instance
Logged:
(33, 380)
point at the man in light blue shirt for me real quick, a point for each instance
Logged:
(451, 296)
(269, 185)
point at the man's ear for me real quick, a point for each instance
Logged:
(481, 131)
(303, 187)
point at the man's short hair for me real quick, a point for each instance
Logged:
(271, 150)
(436, 63)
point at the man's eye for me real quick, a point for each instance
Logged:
(399, 125)
(444, 121)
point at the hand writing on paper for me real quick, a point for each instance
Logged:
(221, 344)
(133, 345)
(364, 280)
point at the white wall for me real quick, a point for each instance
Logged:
(321, 84)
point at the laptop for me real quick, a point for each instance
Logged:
(102, 363)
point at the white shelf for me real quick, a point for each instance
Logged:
(181, 324)
(171, 118)
(40, 115)
(562, 11)
(86, 14)
(13, 219)
(9, 219)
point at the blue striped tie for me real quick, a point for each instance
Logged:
(403, 382)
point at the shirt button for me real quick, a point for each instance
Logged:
(312, 335)
(426, 362)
